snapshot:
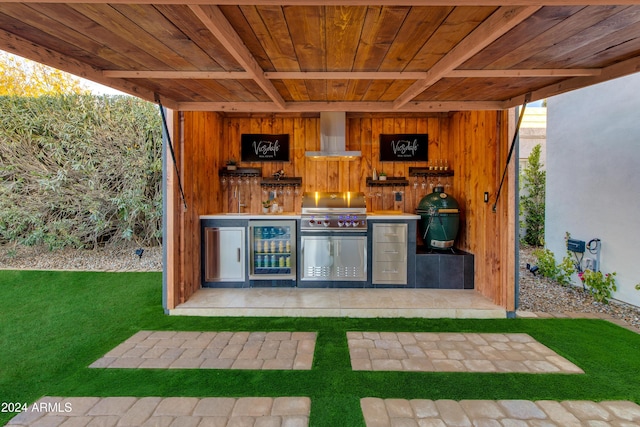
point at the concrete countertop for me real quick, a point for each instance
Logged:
(376, 215)
(231, 215)
(384, 215)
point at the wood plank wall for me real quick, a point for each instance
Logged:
(478, 148)
(196, 139)
(473, 143)
(332, 175)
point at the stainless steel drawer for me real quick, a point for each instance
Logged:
(390, 272)
(389, 252)
(389, 233)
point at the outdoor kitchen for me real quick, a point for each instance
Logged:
(284, 226)
(328, 223)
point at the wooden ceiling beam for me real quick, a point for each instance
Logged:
(363, 107)
(547, 72)
(177, 75)
(501, 21)
(217, 23)
(348, 75)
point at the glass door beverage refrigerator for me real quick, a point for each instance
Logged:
(272, 254)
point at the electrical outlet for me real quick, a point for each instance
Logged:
(588, 264)
(486, 197)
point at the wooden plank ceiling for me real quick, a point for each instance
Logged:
(339, 55)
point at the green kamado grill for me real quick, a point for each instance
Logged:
(440, 219)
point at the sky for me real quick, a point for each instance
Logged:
(95, 88)
(99, 89)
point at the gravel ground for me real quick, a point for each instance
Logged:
(540, 294)
(537, 294)
(121, 258)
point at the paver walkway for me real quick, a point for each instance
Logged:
(212, 350)
(453, 352)
(466, 352)
(161, 412)
(498, 413)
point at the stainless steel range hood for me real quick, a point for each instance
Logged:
(333, 138)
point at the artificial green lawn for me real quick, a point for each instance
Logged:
(54, 324)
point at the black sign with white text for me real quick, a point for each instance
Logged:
(403, 147)
(257, 147)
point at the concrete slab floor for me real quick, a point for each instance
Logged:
(335, 302)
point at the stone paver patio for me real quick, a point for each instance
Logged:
(170, 411)
(498, 413)
(212, 350)
(453, 352)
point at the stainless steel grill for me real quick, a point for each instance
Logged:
(344, 211)
(333, 235)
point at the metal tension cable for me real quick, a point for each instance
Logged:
(173, 154)
(527, 98)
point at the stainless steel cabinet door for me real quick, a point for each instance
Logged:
(334, 258)
(224, 254)
(316, 257)
(350, 258)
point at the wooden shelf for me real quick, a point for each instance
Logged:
(391, 181)
(295, 181)
(429, 172)
(240, 172)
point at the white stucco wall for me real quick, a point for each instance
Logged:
(593, 176)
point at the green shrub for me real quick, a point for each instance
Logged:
(565, 270)
(600, 285)
(548, 267)
(532, 201)
(80, 170)
(546, 263)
